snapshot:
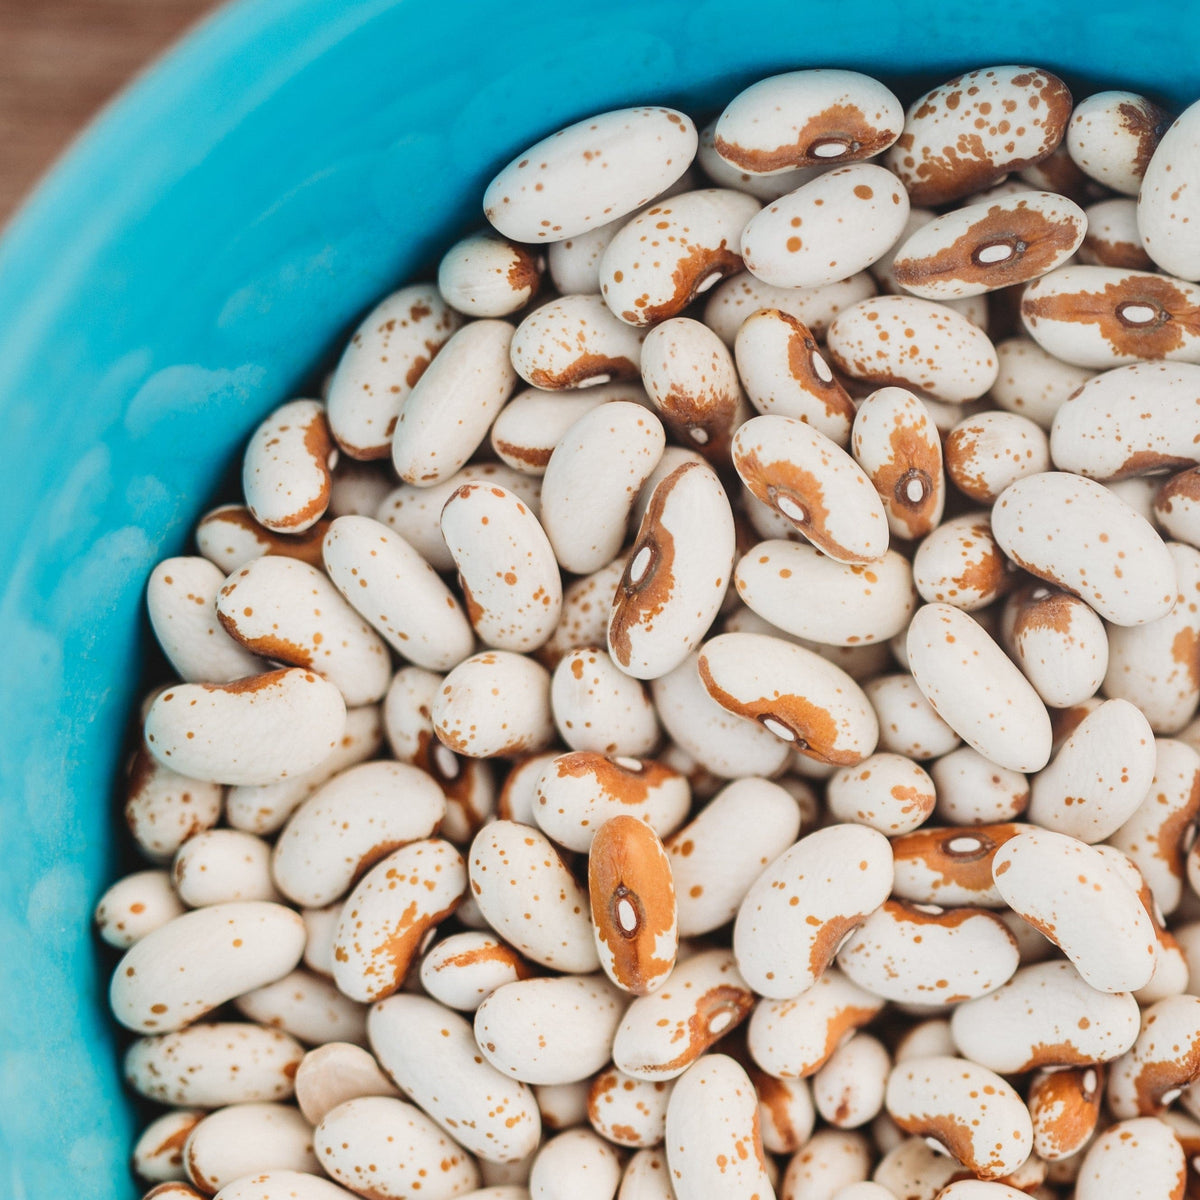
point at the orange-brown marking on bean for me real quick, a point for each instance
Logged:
(305, 546)
(250, 685)
(914, 446)
(782, 477)
(1130, 256)
(1053, 612)
(585, 367)
(970, 869)
(1178, 319)
(612, 780)
(845, 123)
(810, 722)
(523, 275)
(318, 444)
(531, 456)
(269, 645)
(801, 346)
(638, 604)
(690, 271)
(1044, 243)
(1063, 1114)
(627, 863)
(1185, 485)
(1146, 122)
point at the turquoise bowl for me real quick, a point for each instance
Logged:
(192, 261)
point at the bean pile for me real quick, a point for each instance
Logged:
(704, 708)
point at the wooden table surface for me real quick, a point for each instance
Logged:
(60, 60)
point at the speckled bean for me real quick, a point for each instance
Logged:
(628, 1111)
(987, 452)
(381, 364)
(695, 241)
(553, 929)
(676, 575)
(1059, 643)
(632, 896)
(468, 719)
(212, 1065)
(714, 1149)
(831, 1160)
(968, 133)
(717, 856)
(387, 916)
(848, 1090)
(1167, 199)
(158, 1153)
(221, 865)
(136, 905)
(662, 1034)
(960, 564)
(801, 698)
(827, 229)
(974, 686)
(415, 512)
(908, 724)
(896, 442)
(448, 413)
(784, 372)
(1064, 1106)
(928, 347)
(1164, 1058)
(349, 824)
(1112, 136)
(201, 959)
(1099, 776)
(334, 1073)
(590, 173)
(814, 484)
(1112, 238)
(1074, 533)
(922, 954)
(244, 1139)
(592, 480)
(431, 1054)
(803, 906)
(801, 591)
(576, 793)
(181, 599)
(982, 247)
(557, 1030)
(1045, 1016)
(575, 342)
(397, 592)
(1105, 317)
(290, 612)
(887, 792)
(287, 465)
(486, 276)
(1140, 1159)
(930, 1096)
(971, 790)
(795, 1038)
(597, 707)
(283, 1185)
(576, 1165)
(1068, 891)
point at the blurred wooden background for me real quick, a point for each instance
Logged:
(60, 60)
